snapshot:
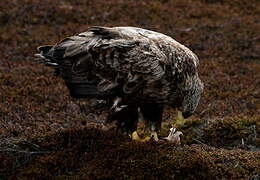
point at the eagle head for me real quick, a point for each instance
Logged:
(191, 98)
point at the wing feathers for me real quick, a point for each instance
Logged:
(44, 49)
(105, 32)
(117, 55)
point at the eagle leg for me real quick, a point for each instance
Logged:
(152, 114)
(135, 137)
(126, 119)
(180, 121)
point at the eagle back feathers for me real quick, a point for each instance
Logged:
(150, 65)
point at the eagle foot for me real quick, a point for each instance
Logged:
(180, 121)
(135, 137)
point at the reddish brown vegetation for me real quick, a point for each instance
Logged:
(93, 154)
(33, 103)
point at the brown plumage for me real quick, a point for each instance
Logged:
(146, 69)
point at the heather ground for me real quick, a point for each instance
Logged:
(45, 135)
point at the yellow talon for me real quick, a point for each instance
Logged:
(135, 137)
(179, 119)
(154, 135)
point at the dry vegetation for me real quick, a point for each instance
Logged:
(43, 133)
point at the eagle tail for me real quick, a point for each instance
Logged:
(88, 90)
(78, 84)
(45, 56)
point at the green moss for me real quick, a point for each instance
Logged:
(230, 132)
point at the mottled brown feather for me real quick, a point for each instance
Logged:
(144, 66)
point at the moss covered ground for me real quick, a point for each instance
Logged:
(45, 135)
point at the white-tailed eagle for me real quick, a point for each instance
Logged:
(134, 67)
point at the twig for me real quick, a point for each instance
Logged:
(254, 129)
(20, 151)
(198, 141)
